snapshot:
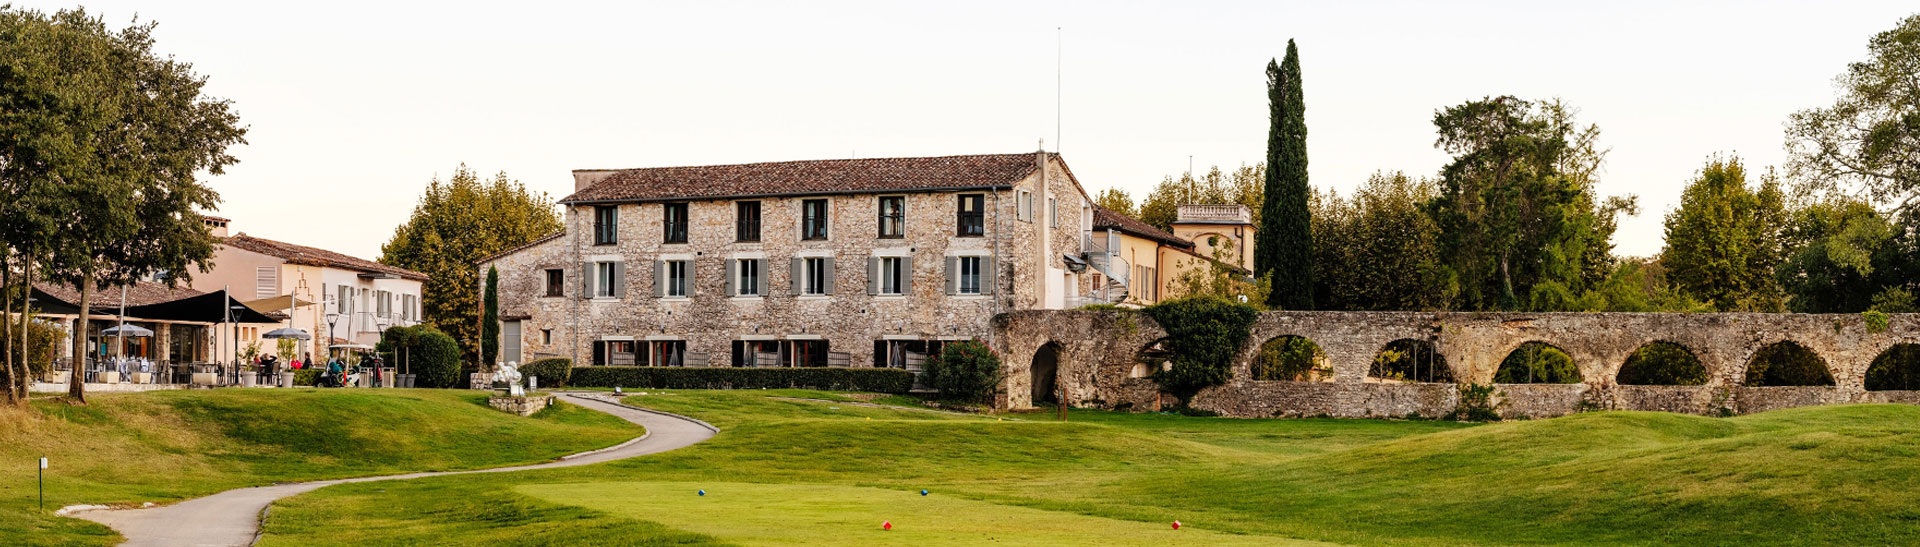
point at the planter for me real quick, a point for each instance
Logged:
(247, 379)
(205, 378)
(110, 377)
(286, 379)
(143, 377)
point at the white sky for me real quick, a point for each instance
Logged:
(355, 106)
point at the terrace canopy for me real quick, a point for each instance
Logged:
(206, 308)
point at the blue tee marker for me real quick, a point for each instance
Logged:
(703, 492)
(923, 492)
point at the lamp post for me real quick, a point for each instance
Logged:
(333, 319)
(381, 321)
(231, 309)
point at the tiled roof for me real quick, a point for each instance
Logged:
(809, 177)
(542, 239)
(1104, 218)
(309, 256)
(104, 301)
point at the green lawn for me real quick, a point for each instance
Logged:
(754, 514)
(1844, 474)
(170, 445)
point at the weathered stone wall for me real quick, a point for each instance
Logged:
(1098, 352)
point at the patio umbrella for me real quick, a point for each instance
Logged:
(349, 346)
(287, 332)
(134, 331)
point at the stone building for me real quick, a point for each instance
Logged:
(855, 262)
(305, 286)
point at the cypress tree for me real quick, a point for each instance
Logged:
(490, 320)
(1284, 246)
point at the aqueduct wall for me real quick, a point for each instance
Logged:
(1097, 353)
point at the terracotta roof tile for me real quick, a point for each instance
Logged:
(809, 177)
(309, 256)
(1105, 218)
(139, 294)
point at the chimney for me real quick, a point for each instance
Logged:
(582, 178)
(216, 226)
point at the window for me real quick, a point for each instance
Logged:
(605, 224)
(815, 276)
(556, 281)
(889, 275)
(893, 216)
(1024, 204)
(546, 336)
(969, 275)
(972, 217)
(747, 277)
(676, 278)
(1053, 213)
(746, 223)
(266, 281)
(673, 221)
(606, 277)
(619, 353)
(667, 353)
(813, 219)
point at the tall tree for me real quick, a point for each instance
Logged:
(1116, 200)
(103, 140)
(1869, 140)
(1519, 221)
(490, 318)
(1724, 241)
(456, 223)
(1283, 247)
(1846, 257)
(1378, 250)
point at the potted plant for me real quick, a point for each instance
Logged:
(249, 365)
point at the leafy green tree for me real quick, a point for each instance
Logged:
(1845, 257)
(1244, 186)
(1378, 250)
(490, 319)
(1870, 138)
(1116, 200)
(102, 142)
(1217, 277)
(1726, 239)
(1518, 218)
(1291, 358)
(457, 222)
(1537, 363)
(1283, 248)
(1662, 364)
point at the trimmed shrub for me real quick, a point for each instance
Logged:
(430, 355)
(881, 380)
(307, 377)
(40, 351)
(1203, 334)
(552, 371)
(965, 371)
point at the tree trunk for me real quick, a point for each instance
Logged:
(26, 342)
(6, 307)
(76, 382)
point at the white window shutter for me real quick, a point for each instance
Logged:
(873, 275)
(829, 284)
(619, 280)
(986, 275)
(659, 278)
(690, 278)
(799, 275)
(906, 275)
(587, 273)
(733, 273)
(953, 275)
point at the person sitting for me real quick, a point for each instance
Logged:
(334, 371)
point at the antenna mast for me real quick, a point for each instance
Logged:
(1058, 46)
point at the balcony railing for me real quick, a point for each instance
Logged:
(1215, 213)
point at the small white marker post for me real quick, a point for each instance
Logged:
(43, 484)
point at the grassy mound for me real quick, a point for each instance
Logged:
(170, 445)
(1841, 474)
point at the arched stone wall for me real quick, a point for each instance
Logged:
(1098, 351)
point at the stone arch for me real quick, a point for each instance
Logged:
(1291, 357)
(1410, 360)
(1536, 362)
(1153, 357)
(1787, 363)
(1663, 363)
(1896, 369)
(1043, 374)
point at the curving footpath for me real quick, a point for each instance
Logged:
(233, 517)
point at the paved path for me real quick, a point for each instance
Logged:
(233, 517)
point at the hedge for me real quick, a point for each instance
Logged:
(881, 380)
(552, 371)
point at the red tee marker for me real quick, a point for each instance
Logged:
(886, 525)
(1176, 525)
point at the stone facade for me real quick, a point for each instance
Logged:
(1098, 360)
(1028, 272)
